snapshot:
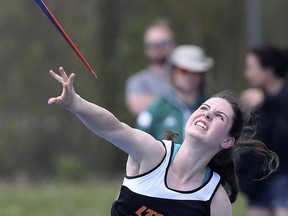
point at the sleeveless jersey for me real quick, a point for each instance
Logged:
(148, 194)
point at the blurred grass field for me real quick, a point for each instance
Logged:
(89, 199)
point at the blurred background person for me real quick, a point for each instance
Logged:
(266, 69)
(189, 66)
(145, 86)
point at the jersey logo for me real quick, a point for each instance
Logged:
(145, 211)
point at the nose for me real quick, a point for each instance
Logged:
(208, 115)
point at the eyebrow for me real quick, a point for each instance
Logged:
(217, 111)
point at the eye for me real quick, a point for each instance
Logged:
(218, 115)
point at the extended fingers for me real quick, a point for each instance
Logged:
(56, 76)
(68, 85)
(63, 74)
(62, 77)
(68, 90)
(71, 79)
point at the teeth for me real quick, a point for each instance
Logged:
(202, 125)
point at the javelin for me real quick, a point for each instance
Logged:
(54, 21)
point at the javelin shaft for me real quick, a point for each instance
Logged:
(54, 21)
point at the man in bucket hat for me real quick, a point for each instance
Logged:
(189, 65)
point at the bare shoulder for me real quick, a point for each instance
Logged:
(221, 204)
(136, 167)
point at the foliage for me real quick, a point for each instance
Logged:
(69, 168)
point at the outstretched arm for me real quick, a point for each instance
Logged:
(138, 144)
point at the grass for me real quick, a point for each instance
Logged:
(239, 206)
(89, 199)
(57, 199)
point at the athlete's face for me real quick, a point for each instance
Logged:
(211, 123)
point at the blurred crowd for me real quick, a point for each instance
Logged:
(163, 95)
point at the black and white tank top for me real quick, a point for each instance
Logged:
(149, 195)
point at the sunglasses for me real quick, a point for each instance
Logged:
(183, 71)
(159, 44)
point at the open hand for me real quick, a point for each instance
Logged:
(66, 99)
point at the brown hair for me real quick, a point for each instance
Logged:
(243, 130)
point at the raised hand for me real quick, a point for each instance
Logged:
(67, 98)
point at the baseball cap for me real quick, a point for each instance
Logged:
(192, 58)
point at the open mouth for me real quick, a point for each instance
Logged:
(202, 125)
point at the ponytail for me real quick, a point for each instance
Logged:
(169, 135)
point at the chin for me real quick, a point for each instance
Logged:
(193, 132)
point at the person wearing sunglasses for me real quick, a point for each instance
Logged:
(143, 87)
(189, 66)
